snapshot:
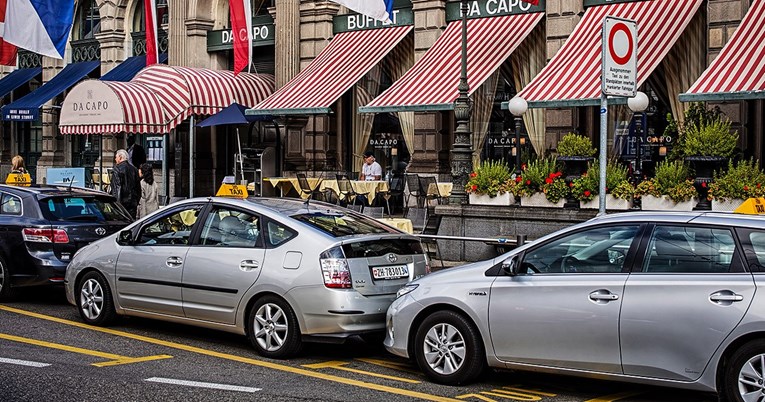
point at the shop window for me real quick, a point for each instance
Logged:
(87, 21)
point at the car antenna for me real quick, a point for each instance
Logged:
(70, 184)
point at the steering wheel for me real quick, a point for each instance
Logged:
(568, 264)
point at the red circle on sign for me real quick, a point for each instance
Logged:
(626, 58)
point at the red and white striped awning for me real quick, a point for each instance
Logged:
(738, 72)
(431, 84)
(347, 58)
(157, 99)
(572, 77)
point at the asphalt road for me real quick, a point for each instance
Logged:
(48, 354)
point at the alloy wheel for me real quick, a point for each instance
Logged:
(751, 377)
(91, 299)
(271, 327)
(444, 348)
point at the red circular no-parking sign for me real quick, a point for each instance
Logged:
(625, 58)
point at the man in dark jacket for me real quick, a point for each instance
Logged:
(136, 154)
(126, 187)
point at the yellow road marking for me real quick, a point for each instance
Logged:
(389, 364)
(530, 391)
(614, 397)
(512, 395)
(476, 396)
(254, 362)
(339, 365)
(114, 360)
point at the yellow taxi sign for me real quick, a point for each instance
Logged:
(752, 206)
(19, 179)
(232, 190)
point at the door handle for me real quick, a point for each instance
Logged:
(248, 265)
(174, 262)
(726, 297)
(603, 296)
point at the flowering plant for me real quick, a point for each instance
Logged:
(491, 178)
(671, 180)
(542, 175)
(744, 180)
(587, 187)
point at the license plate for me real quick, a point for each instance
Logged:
(391, 272)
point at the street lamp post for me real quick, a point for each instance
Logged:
(462, 154)
(638, 105)
(518, 106)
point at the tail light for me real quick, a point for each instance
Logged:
(334, 269)
(36, 235)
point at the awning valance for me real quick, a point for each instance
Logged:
(157, 99)
(738, 72)
(572, 77)
(431, 84)
(336, 69)
(28, 107)
(17, 78)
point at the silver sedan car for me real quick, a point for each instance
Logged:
(280, 271)
(664, 299)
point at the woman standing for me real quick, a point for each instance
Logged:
(148, 202)
(17, 165)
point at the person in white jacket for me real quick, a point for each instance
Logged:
(149, 200)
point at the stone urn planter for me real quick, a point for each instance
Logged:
(612, 203)
(704, 166)
(664, 203)
(503, 199)
(728, 205)
(540, 200)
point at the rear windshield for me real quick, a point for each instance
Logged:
(339, 224)
(72, 208)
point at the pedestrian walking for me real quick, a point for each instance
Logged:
(125, 184)
(149, 200)
(136, 153)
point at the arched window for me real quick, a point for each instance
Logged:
(87, 21)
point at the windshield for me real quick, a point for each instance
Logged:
(339, 224)
(73, 208)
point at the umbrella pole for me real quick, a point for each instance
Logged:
(241, 162)
(191, 156)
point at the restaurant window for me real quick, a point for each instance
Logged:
(87, 22)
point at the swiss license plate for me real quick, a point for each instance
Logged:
(390, 272)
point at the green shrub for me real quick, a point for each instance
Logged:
(671, 180)
(575, 145)
(712, 139)
(587, 187)
(491, 178)
(743, 180)
(536, 175)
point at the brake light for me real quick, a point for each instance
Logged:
(334, 269)
(36, 235)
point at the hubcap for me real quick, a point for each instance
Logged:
(270, 327)
(91, 299)
(444, 349)
(750, 380)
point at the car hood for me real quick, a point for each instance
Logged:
(456, 274)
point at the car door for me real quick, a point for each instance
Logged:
(150, 269)
(687, 295)
(225, 262)
(563, 309)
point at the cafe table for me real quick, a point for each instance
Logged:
(369, 187)
(402, 224)
(440, 189)
(285, 183)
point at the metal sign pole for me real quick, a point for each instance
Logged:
(191, 156)
(603, 158)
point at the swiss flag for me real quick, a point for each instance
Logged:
(241, 31)
(7, 51)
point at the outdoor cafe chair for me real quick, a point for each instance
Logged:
(426, 182)
(374, 212)
(305, 187)
(395, 190)
(413, 182)
(347, 193)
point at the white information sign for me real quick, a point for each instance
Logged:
(620, 45)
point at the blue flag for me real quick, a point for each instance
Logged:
(40, 26)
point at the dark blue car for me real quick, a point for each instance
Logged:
(41, 227)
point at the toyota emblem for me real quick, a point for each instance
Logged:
(100, 231)
(392, 257)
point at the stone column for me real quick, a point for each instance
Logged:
(195, 42)
(176, 32)
(432, 138)
(287, 20)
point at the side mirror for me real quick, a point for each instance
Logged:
(125, 238)
(511, 265)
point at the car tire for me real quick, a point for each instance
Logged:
(449, 349)
(94, 300)
(6, 291)
(744, 373)
(273, 328)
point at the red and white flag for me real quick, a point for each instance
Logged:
(152, 47)
(241, 31)
(7, 51)
(534, 2)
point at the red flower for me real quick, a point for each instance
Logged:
(759, 185)
(704, 184)
(523, 166)
(548, 180)
(473, 174)
(571, 184)
(587, 193)
(475, 187)
(528, 182)
(746, 188)
(518, 179)
(558, 174)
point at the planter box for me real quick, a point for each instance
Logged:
(664, 203)
(727, 205)
(504, 199)
(539, 200)
(612, 203)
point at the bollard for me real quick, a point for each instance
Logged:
(520, 240)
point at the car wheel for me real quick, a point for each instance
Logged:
(273, 328)
(6, 291)
(744, 375)
(94, 300)
(449, 349)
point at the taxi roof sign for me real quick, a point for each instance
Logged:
(752, 206)
(19, 179)
(232, 191)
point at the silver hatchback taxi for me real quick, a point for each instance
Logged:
(666, 299)
(278, 270)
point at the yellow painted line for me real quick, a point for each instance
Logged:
(476, 396)
(512, 395)
(530, 391)
(614, 397)
(114, 360)
(339, 365)
(241, 359)
(389, 364)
